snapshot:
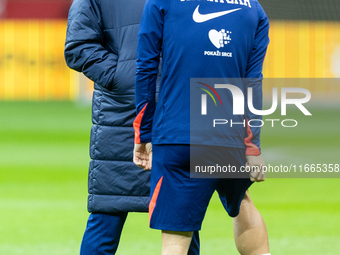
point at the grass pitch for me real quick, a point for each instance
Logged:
(43, 186)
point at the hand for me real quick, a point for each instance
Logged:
(256, 163)
(142, 155)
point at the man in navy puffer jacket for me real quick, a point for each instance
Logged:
(101, 42)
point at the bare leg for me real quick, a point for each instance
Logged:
(175, 243)
(250, 232)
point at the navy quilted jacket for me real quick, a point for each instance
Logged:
(101, 42)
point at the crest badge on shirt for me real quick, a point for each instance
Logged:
(219, 39)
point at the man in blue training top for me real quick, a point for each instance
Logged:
(188, 34)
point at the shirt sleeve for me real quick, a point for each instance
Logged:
(148, 54)
(254, 80)
(84, 50)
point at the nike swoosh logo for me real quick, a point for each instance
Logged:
(199, 18)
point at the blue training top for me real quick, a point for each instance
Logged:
(198, 39)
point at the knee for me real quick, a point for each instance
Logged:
(247, 198)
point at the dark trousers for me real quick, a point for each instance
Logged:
(103, 232)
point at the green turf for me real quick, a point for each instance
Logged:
(43, 186)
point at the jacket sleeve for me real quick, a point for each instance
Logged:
(254, 80)
(148, 55)
(84, 51)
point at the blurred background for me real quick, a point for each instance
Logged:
(45, 120)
